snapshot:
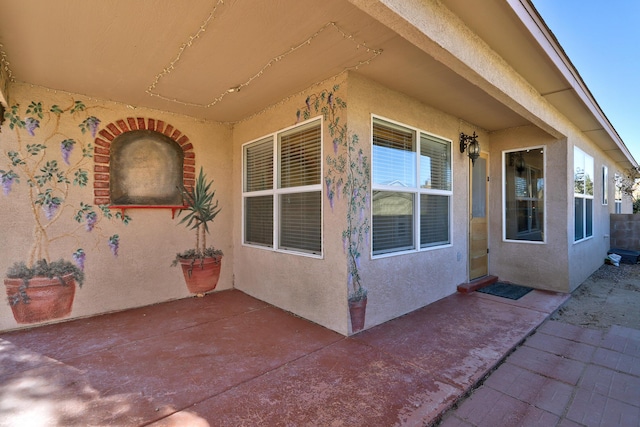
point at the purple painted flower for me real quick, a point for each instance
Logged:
(330, 99)
(7, 179)
(344, 244)
(358, 261)
(30, 124)
(91, 219)
(297, 116)
(366, 200)
(6, 185)
(336, 141)
(338, 188)
(114, 243)
(331, 199)
(350, 279)
(355, 193)
(66, 147)
(50, 209)
(308, 102)
(93, 123)
(79, 257)
(327, 182)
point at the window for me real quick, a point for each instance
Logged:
(583, 194)
(605, 185)
(523, 190)
(412, 184)
(618, 193)
(282, 194)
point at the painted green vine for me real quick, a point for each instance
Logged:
(347, 176)
(51, 179)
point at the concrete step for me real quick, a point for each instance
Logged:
(474, 285)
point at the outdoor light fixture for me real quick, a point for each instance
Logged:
(471, 143)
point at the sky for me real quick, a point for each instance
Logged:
(602, 40)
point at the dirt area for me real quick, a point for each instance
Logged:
(611, 296)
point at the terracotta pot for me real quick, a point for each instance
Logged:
(48, 298)
(357, 311)
(201, 276)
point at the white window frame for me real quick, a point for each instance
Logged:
(605, 185)
(504, 195)
(584, 197)
(617, 195)
(276, 191)
(415, 192)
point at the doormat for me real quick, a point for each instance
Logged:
(506, 290)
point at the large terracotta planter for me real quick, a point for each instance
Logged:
(48, 298)
(357, 311)
(201, 275)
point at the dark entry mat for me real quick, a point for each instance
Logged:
(506, 290)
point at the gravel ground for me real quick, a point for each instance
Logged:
(611, 296)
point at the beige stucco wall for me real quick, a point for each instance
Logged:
(317, 288)
(141, 274)
(588, 255)
(539, 265)
(559, 264)
(312, 287)
(401, 283)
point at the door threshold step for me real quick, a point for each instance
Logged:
(475, 284)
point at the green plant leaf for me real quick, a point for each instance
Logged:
(77, 106)
(81, 178)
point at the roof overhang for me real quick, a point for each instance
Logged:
(225, 61)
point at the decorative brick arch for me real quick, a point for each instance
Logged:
(102, 153)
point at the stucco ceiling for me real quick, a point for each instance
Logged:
(185, 57)
(228, 60)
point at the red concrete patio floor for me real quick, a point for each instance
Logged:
(231, 360)
(564, 376)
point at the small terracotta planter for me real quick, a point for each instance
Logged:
(48, 298)
(201, 275)
(357, 311)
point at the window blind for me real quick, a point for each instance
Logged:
(298, 218)
(258, 220)
(300, 160)
(392, 221)
(393, 155)
(259, 166)
(394, 163)
(301, 221)
(434, 220)
(435, 163)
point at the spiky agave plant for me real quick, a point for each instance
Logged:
(201, 209)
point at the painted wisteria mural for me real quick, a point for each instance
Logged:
(347, 178)
(51, 160)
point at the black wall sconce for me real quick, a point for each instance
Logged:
(471, 143)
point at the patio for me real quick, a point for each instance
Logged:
(230, 360)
